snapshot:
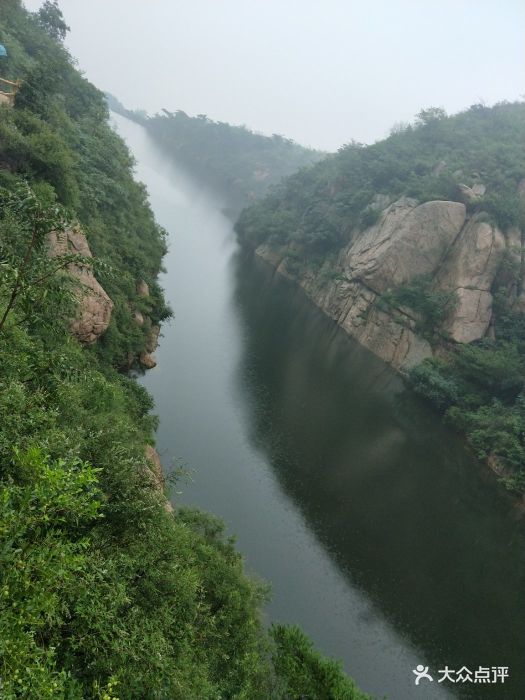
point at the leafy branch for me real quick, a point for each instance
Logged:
(26, 265)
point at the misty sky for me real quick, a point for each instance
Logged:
(323, 72)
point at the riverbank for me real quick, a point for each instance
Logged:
(342, 488)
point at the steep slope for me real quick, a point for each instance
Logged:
(415, 247)
(240, 164)
(57, 137)
(105, 592)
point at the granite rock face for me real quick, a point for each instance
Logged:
(469, 271)
(94, 305)
(436, 239)
(408, 241)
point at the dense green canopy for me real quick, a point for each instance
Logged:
(320, 207)
(103, 593)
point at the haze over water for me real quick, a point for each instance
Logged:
(322, 73)
(379, 533)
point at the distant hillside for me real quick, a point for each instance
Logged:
(240, 164)
(434, 159)
(416, 247)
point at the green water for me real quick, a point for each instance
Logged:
(380, 534)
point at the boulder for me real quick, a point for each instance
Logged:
(471, 194)
(479, 189)
(142, 288)
(469, 271)
(7, 99)
(94, 305)
(147, 360)
(409, 240)
(138, 317)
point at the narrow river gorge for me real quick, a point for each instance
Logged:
(378, 531)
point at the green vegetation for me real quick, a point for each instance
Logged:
(303, 673)
(319, 208)
(103, 593)
(431, 306)
(312, 214)
(481, 391)
(57, 137)
(240, 164)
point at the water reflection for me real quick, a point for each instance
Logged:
(392, 494)
(367, 516)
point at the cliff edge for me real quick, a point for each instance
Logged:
(459, 257)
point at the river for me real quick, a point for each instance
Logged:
(378, 531)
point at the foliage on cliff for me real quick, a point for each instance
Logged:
(480, 388)
(304, 673)
(103, 593)
(319, 208)
(58, 139)
(235, 161)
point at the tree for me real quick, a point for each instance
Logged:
(51, 19)
(26, 268)
(430, 115)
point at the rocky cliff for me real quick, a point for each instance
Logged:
(412, 244)
(460, 256)
(94, 305)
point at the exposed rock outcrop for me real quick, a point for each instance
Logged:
(469, 270)
(156, 473)
(472, 194)
(7, 99)
(138, 317)
(410, 240)
(153, 338)
(142, 289)
(94, 305)
(147, 359)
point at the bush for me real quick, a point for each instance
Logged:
(303, 673)
(480, 391)
(432, 306)
(370, 216)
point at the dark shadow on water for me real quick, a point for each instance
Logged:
(321, 441)
(393, 494)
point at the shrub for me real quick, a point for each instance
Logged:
(431, 305)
